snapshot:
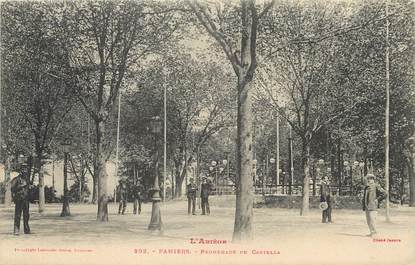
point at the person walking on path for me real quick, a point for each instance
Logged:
(372, 196)
(20, 189)
(326, 196)
(204, 196)
(137, 198)
(122, 195)
(191, 197)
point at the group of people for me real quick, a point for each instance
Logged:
(373, 195)
(205, 189)
(123, 191)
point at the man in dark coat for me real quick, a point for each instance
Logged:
(373, 194)
(326, 196)
(137, 198)
(20, 188)
(122, 196)
(191, 197)
(204, 196)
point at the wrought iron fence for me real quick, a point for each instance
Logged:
(296, 189)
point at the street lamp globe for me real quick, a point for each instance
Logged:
(66, 144)
(21, 159)
(272, 160)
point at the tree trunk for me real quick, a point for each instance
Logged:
(65, 205)
(101, 174)
(8, 193)
(402, 186)
(339, 165)
(244, 195)
(178, 189)
(179, 182)
(387, 178)
(94, 188)
(332, 158)
(411, 174)
(41, 189)
(305, 206)
(365, 168)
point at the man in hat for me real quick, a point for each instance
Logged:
(373, 194)
(20, 188)
(137, 198)
(122, 195)
(326, 196)
(191, 197)
(204, 196)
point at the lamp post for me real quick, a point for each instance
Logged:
(328, 171)
(65, 207)
(346, 165)
(226, 163)
(290, 153)
(214, 164)
(283, 182)
(221, 180)
(361, 167)
(272, 161)
(155, 222)
(53, 171)
(320, 166)
(7, 194)
(264, 172)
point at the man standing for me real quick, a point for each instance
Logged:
(373, 194)
(122, 195)
(325, 196)
(191, 197)
(204, 196)
(137, 198)
(20, 193)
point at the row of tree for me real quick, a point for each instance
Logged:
(226, 67)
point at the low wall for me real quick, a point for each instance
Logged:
(293, 201)
(285, 201)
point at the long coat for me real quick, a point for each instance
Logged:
(372, 196)
(205, 190)
(19, 188)
(325, 193)
(191, 190)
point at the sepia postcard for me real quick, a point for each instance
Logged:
(207, 132)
